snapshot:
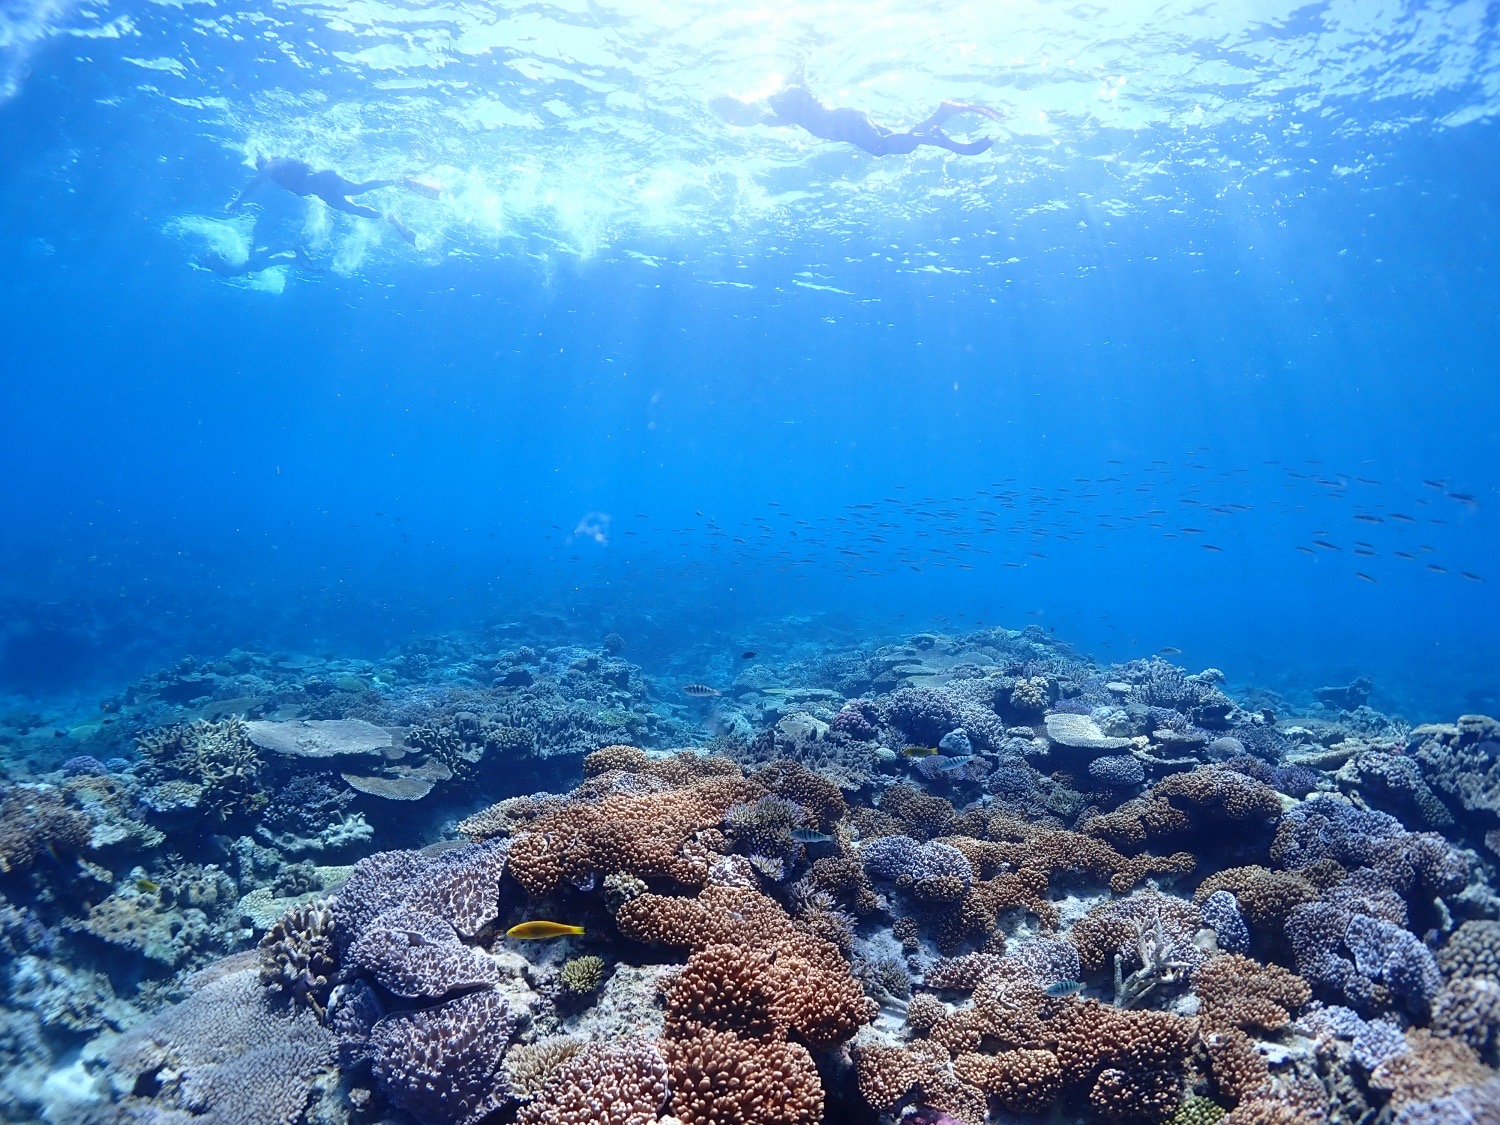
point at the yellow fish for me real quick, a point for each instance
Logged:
(540, 931)
(920, 751)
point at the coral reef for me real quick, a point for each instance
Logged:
(951, 880)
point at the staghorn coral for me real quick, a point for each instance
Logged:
(217, 758)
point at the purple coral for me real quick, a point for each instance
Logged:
(1221, 912)
(1369, 961)
(853, 721)
(419, 956)
(84, 765)
(922, 714)
(901, 857)
(443, 1065)
(1119, 771)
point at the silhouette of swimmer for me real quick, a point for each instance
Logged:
(260, 258)
(794, 104)
(301, 178)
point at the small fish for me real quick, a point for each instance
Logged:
(953, 765)
(700, 691)
(749, 654)
(1437, 569)
(810, 836)
(1211, 547)
(1327, 546)
(1306, 550)
(146, 886)
(1463, 498)
(541, 931)
(1366, 577)
(1169, 651)
(1403, 555)
(920, 751)
(1064, 988)
(1471, 576)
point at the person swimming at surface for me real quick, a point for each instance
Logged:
(301, 178)
(259, 259)
(794, 104)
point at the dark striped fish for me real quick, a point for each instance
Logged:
(700, 691)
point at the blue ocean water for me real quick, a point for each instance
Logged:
(1199, 355)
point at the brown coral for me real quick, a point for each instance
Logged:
(1431, 1067)
(1130, 1061)
(920, 815)
(818, 796)
(35, 821)
(1024, 1081)
(720, 1078)
(602, 1084)
(1235, 991)
(606, 758)
(1265, 897)
(654, 836)
(814, 994)
(1057, 852)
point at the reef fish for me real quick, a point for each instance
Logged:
(810, 836)
(1065, 988)
(920, 751)
(953, 765)
(541, 931)
(700, 691)
(748, 654)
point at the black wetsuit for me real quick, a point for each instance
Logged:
(301, 178)
(795, 105)
(259, 259)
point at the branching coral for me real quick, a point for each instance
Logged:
(217, 758)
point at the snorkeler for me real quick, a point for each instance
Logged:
(259, 259)
(301, 178)
(794, 104)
